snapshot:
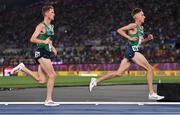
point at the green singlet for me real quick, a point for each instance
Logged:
(49, 33)
(136, 44)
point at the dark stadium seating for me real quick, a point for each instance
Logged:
(86, 30)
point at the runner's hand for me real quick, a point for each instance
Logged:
(150, 37)
(54, 51)
(133, 39)
(47, 41)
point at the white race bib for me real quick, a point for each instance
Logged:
(135, 48)
(37, 54)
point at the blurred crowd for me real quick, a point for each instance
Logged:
(86, 31)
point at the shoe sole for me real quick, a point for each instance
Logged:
(90, 89)
(156, 99)
(50, 105)
(17, 70)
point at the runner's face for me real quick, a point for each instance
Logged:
(141, 17)
(50, 14)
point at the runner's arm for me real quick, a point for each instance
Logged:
(36, 33)
(122, 31)
(147, 39)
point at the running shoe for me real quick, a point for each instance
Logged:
(92, 84)
(155, 96)
(50, 103)
(17, 68)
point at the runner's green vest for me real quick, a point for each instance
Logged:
(138, 35)
(49, 33)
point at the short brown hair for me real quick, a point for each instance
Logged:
(46, 8)
(135, 11)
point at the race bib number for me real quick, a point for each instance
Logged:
(135, 48)
(37, 54)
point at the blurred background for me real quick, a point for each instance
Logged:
(86, 37)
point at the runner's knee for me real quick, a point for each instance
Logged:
(117, 73)
(43, 81)
(149, 68)
(52, 75)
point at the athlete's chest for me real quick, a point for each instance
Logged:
(49, 30)
(136, 32)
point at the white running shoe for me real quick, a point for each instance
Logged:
(50, 103)
(155, 96)
(92, 84)
(17, 68)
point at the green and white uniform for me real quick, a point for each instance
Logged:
(44, 50)
(49, 33)
(139, 35)
(134, 46)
